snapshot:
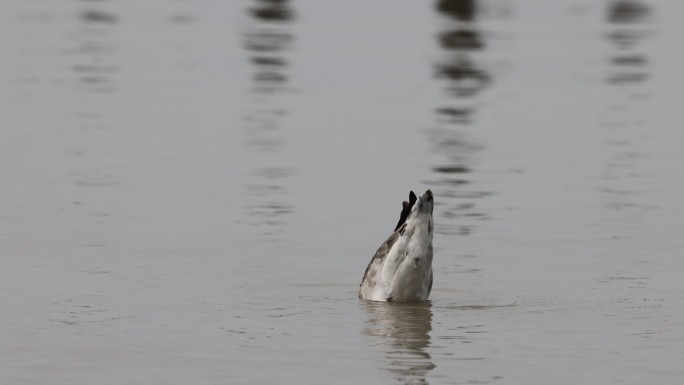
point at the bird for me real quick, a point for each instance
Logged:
(401, 269)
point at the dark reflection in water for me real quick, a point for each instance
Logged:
(98, 16)
(463, 10)
(267, 41)
(464, 78)
(627, 12)
(274, 10)
(94, 54)
(403, 331)
(95, 63)
(629, 29)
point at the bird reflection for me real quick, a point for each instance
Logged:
(272, 10)
(403, 331)
(627, 12)
(629, 29)
(463, 10)
(630, 25)
(267, 41)
(94, 53)
(463, 79)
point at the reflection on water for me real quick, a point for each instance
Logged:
(403, 332)
(98, 16)
(267, 40)
(629, 27)
(629, 30)
(627, 12)
(274, 10)
(94, 63)
(94, 58)
(95, 67)
(464, 78)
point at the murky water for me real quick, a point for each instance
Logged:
(192, 190)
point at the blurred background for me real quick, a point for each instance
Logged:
(191, 190)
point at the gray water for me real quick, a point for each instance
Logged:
(191, 190)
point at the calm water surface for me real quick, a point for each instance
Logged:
(192, 190)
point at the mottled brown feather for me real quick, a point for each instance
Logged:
(381, 253)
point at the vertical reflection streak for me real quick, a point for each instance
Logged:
(463, 80)
(403, 330)
(94, 67)
(629, 29)
(267, 40)
(95, 80)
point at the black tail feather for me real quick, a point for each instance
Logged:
(406, 209)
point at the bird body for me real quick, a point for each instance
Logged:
(401, 269)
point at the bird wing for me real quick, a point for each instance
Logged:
(380, 254)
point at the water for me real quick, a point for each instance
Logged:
(192, 190)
